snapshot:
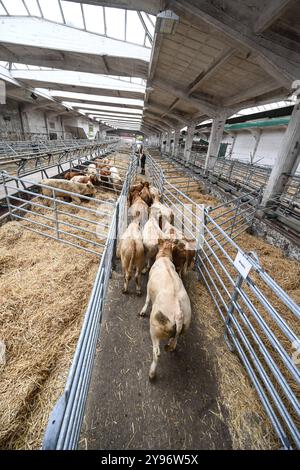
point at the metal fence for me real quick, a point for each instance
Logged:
(261, 322)
(65, 421)
(28, 162)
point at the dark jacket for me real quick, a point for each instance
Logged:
(143, 159)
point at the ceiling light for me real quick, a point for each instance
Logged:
(166, 22)
(33, 96)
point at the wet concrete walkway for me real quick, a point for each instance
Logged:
(181, 409)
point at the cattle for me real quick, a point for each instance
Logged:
(70, 174)
(91, 169)
(154, 192)
(81, 179)
(145, 194)
(115, 178)
(131, 252)
(161, 212)
(64, 185)
(138, 207)
(133, 189)
(151, 234)
(171, 309)
(184, 252)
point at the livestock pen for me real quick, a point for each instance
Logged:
(50, 254)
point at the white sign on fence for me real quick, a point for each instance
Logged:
(242, 264)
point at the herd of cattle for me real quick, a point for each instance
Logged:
(152, 239)
(100, 173)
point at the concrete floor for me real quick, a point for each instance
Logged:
(179, 410)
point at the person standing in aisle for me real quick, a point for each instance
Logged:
(143, 163)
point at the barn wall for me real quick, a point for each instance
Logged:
(10, 119)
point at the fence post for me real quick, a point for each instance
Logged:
(55, 214)
(3, 175)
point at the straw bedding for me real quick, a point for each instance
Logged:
(45, 286)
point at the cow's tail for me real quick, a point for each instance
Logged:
(132, 258)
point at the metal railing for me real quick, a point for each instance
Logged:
(65, 421)
(29, 162)
(260, 319)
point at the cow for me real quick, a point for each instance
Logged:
(131, 252)
(171, 309)
(70, 174)
(184, 252)
(145, 194)
(115, 178)
(81, 179)
(91, 169)
(151, 234)
(138, 207)
(161, 212)
(154, 192)
(135, 188)
(61, 185)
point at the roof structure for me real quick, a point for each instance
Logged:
(221, 56)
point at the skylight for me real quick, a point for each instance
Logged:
(117, 23)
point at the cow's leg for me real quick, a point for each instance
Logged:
(144, 309)
(156, 353)
(138, 281)
(127, 277)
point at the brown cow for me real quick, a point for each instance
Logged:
(131, 251)
(70, 174)
(145, 194)
(184, 252)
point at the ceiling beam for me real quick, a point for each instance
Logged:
(225, 55)
(282, 63)
(198, 102)
(165, 111)
(270, 14)
(251, 92)
(149, 6)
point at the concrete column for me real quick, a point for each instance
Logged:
(189, 142)
(215, 140)
(162, 145)
(287, 160)
(168, 143)
(256, 133)
(176, 143)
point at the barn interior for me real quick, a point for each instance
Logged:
(211, 90)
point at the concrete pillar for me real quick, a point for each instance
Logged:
(162, 145)
(256, 133)
(189, 142)
(215, 140)
(176, 143)
(168, 143)
(287, 159)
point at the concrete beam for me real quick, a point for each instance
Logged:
(77, 81)
(286, 162)
(36, 41)
(280, 62)
(215, 140)
(209, 108)
(225, 55)
(149, 6)
(270, 14)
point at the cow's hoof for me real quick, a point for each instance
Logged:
(145, 270)
(142, 314)
(152, 376)
(124, 291)
(139, 293)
